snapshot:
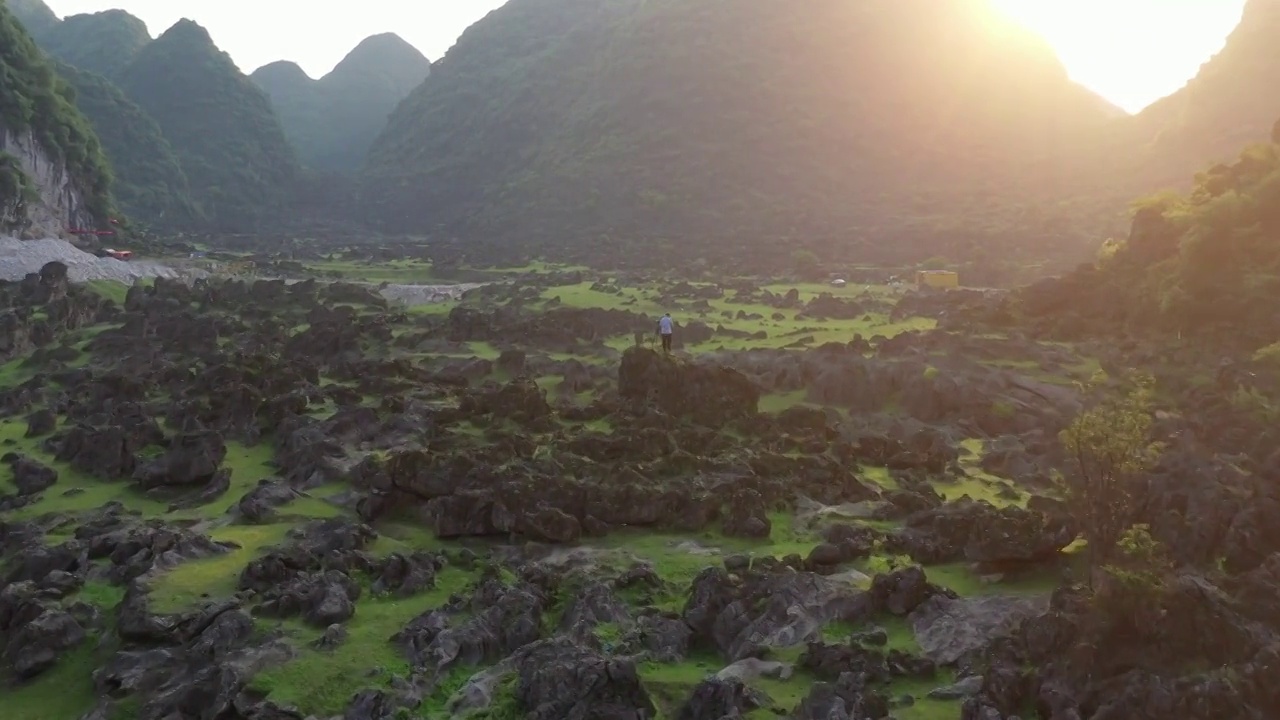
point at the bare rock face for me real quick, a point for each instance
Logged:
(708, 394)
(59, 205)
(948, 628)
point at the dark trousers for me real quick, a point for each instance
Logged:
(666, 343)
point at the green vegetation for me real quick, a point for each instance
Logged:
(666, 131)
(792, 327)
(1109, 444)
(37, 17)
(394, 271)
(65, 691)
(103, 43)
(35, 100)
(322, 682)
(220, 125)
(333, 121)
(150, 183)
(1141, 563)
(1202, 265)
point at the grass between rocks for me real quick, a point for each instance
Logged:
(321, 683)
(64, 692)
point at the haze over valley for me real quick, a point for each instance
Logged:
(639, 359)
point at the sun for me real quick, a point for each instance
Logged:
(1131, 52)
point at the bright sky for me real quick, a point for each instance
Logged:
(1132, 52)
(315, 35)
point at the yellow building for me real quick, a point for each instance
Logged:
(940, 279)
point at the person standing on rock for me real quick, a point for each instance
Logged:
(664, 330)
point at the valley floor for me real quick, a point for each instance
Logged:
(462, 509)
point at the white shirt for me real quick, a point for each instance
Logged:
(664, 325)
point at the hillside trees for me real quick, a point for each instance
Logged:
(148, 180)
(633, 131)
(221, 127)
(1204, 264)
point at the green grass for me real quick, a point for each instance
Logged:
(101, 594)
(109, 289)
(399, 272)
(978, 483)
(777, 402)
(96, 492)
(958, 577)
(484, 350)
(247, 465)
(669, 684)
(780, 332)
(679, 557)
(193, 582)
(322, 683)
(64, 692)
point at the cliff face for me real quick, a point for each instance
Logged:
(53, 175)
(52, 204)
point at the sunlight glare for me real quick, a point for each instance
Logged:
(1132, 52)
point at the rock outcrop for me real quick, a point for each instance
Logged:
(56, 204)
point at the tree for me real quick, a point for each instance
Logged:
(1110, 444)
(1136, 581)
(805, 261)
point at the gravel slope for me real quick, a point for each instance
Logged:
(20, 257)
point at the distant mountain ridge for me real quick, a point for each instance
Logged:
(333, 121)
(631, 131)
(195, 144)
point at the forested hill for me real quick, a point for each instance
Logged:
(1207, 262)
(104, 43)
(333, 121)
(887, 129)
(40, 126)
(150, 184)
(221, 127)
